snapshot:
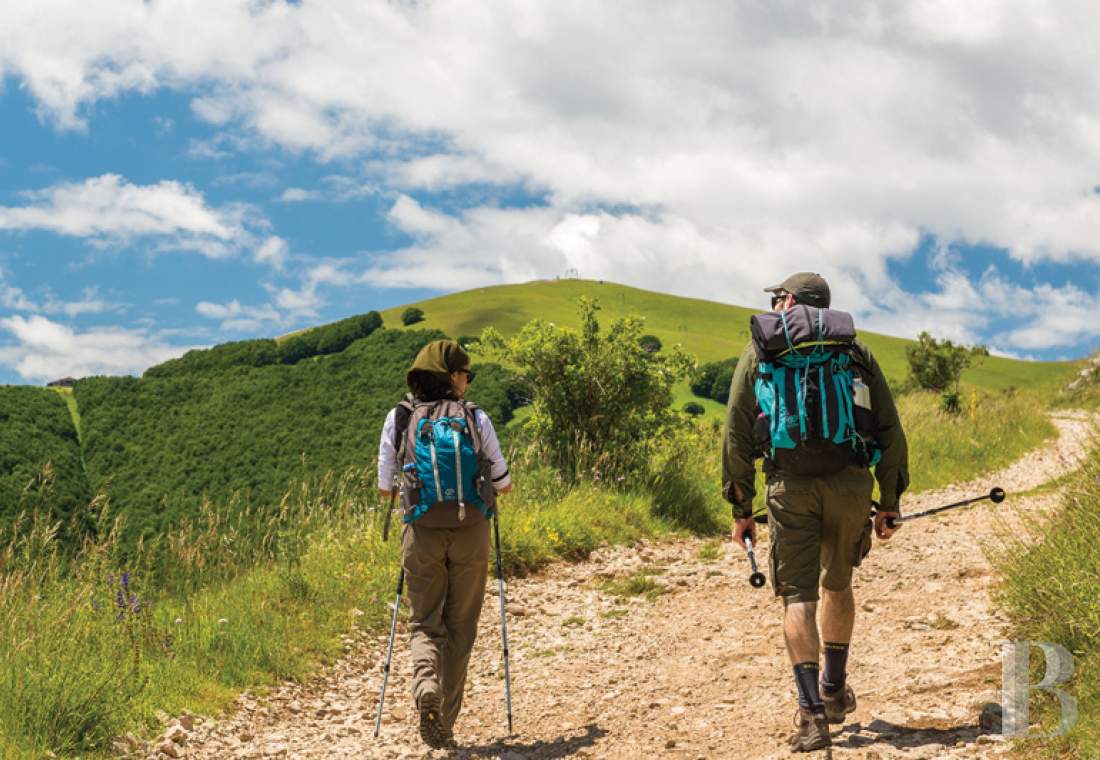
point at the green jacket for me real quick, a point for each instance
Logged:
(738, 467)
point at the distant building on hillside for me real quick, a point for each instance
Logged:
(65, 382)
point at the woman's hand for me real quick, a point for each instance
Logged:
(506, 489)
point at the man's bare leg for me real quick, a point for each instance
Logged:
(838, 614)
(800, 632)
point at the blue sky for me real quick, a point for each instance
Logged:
(173, 178)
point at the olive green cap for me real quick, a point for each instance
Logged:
(440, 357)
(806, 287)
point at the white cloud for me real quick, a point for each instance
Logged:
(46, 350)
(703, 151)
(334, 187)
(288, 305)
(297, 195)
(273, 251)
(237, 318)
(107, 208)
(89, 303)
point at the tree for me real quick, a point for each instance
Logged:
(411, 316)
(938, 364)
(712, 380)
(694, 409)
(650, 343)
(598, 399)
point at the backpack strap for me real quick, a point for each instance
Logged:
(401, 415)
(471, 422)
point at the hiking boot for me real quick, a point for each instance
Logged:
(813, 731)
(432, 730)
(838, 703)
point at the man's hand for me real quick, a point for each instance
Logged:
(882, 530)
(740, 525)
(506, 489)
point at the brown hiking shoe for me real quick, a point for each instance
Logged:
(432, 730)
(838, 704)
(813, 731)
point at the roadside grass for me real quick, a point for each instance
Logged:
(993, 430)
(709, 551)
(1049, 588)
(637, 584)
(94, 643)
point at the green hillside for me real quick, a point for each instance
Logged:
(709, 330)
(159, 443)
(36, 428)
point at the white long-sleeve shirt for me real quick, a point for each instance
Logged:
(490, 446)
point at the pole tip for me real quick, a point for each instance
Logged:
(757, 580)
(997, 495)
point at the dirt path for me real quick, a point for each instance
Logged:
(700, 671)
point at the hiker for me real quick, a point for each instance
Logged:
(813, 402)
(451, 470)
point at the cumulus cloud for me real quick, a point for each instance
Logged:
(741, 141)
(46, 350)
(108, 208)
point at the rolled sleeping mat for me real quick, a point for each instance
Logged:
(773, 333)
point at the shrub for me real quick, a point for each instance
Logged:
(411, 316)
(712, 380)
(598, 398)
(466, 340)
(497, 390)
(938, 364)
(650, 343)
(694, 408)
(951, 402)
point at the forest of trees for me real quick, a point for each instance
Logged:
(219, 421)
(319, 341)
(35, 429)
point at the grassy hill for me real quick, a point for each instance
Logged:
(709, 330)
(251, 415)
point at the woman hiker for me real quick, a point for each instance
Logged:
(446, 453)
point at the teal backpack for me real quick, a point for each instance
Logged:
(445, 480)
(814, 413)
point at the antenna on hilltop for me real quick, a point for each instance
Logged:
(572, 274)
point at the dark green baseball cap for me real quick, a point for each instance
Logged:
(806, 287)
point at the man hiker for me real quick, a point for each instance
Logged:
(813, 401)
(449, 461)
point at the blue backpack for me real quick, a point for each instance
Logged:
(814, 407)
(445, 481)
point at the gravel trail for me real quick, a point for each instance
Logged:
(700, 670)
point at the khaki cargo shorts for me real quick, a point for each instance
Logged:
(820, 529)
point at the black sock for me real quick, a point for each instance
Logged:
(805, 676)
(836, 663)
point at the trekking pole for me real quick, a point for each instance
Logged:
(996, 495)
(389, 650)
(757, 579)
(503, 622)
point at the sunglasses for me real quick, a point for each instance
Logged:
(777, 298)
(469, 375)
